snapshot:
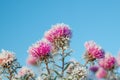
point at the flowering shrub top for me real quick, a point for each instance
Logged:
(98, 65)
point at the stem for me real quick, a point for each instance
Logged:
(27, 78)
(63, 61)
(86, 63)
(10, 73)
(30, 78)
(114, 77)
(46, 62)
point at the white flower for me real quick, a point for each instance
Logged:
(76, 71)
(25, 71)
(6, 57)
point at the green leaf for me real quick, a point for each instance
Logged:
(67, 66)
(58, 66)
(57, 73)
(55, 78)
(68, 54)
(51, 61)
(68, 63)
(44, 74)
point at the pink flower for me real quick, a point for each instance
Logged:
(59, 35)
(25, 71)
(32, 60)
(101, 73)
(58, 31)
(1, 60)
(41, 49)
(108, 62)
(94, 50)
(118, 59)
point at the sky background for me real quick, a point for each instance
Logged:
(23, 22)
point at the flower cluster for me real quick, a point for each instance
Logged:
(98, 66)
(39, 51)
(58, 31)
(6, 58)
(108, 62)
(76, 71)
(105, 67)
(93, 51)
(59, 35)
(101, 73)
(8, 64)
(25, 72)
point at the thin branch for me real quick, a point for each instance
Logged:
(46, 62)
(63, 62)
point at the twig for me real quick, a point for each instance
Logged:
(63, 61)
(46, 62)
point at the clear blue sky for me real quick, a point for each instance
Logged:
(23, 22)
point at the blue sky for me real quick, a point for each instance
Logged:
(23, 22)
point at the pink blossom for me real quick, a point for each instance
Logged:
(94, 50)
(32, 60)
(101, 73)
(108, 62)
(59, 35)
(41, 49)
(1, 60)
(58, 31)
(118, 59)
